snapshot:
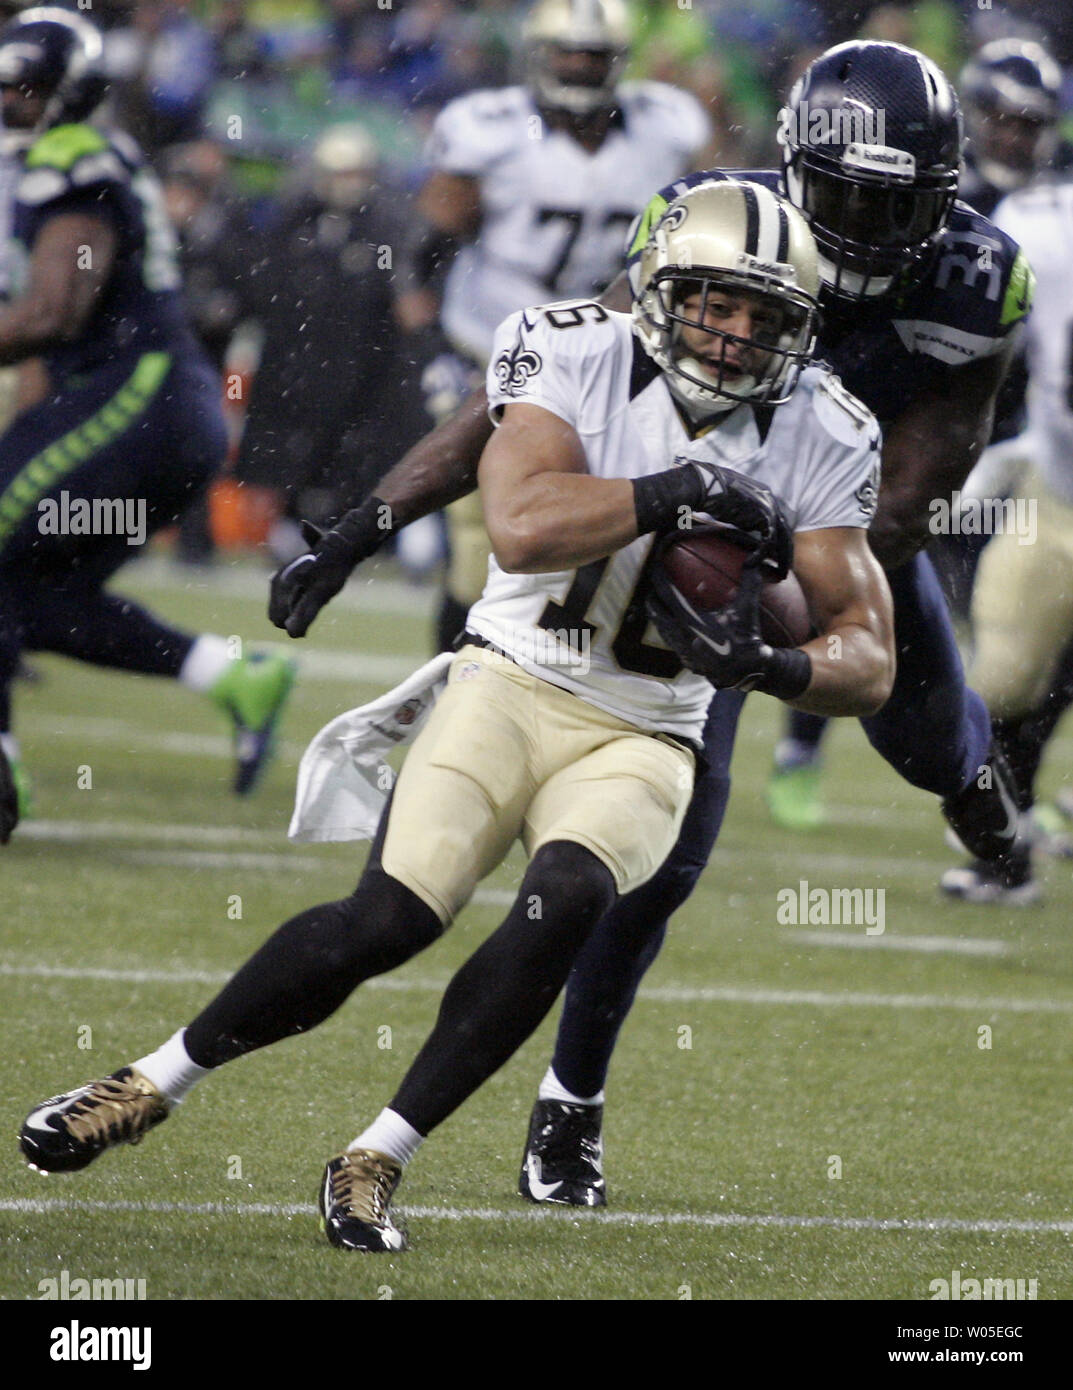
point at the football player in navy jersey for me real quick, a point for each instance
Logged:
(130, 428)
(1010, 94)
(922, 299)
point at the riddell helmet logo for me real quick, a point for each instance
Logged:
(850, 124)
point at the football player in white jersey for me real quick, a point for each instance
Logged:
(535, 186)
(1022, 600)
(612, 433)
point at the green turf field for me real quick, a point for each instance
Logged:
(761, 1061)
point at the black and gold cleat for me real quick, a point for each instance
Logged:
(563, 1161)
(355, 1201)
(67, 1132)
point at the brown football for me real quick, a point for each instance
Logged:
(706, 567)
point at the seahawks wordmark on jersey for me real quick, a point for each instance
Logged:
(586, 629)
(553, 215)
(972, 296)
(1041, 219)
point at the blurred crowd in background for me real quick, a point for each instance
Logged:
(238, 105)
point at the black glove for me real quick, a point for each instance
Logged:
(666, 501)
(725, 646)
(301, 589)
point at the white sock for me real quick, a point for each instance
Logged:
(551, 1088)
(10, 744)
(390, 1134)
(205, 663)
(170, 1069)
(790, 754)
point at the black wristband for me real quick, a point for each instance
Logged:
(660, 499)
(365, 529)
(787, 674)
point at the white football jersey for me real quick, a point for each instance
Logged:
(554, 216)
(1041, 219)
(586, 629)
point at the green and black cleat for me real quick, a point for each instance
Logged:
(254, 691)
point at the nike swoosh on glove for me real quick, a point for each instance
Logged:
(725, 646)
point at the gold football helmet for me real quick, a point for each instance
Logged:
(723, 258)
(575, 52)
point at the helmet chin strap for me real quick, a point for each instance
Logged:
(697, 404)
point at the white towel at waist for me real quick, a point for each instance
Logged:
(339, 794)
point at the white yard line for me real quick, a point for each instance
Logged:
(367, 591)
(785, 862)
(31, 1206)
(660, 994)
(858, 940)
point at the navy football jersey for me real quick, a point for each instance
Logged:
(76, 168)
(974, 292)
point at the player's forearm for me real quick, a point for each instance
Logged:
(441, 467)
(903, 522)
(929, 452)
(852, 672)
(560, 521)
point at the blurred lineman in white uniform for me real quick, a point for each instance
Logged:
(535, 187)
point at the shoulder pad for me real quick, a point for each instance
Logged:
(556, 318)
(974, 294)
(63, 146)
(677, 115)
(841, 414)
(474, 130)
(66, 160)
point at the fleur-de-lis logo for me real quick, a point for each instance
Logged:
(868, 493)
(514, 368)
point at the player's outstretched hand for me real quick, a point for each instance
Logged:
(301, 589)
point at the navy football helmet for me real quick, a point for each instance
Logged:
(56, 54)
(871, 136)
(1011, 94)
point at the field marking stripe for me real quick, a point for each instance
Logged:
(956, 945)
(71, 832)
(33, 1206)
(662, 994)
